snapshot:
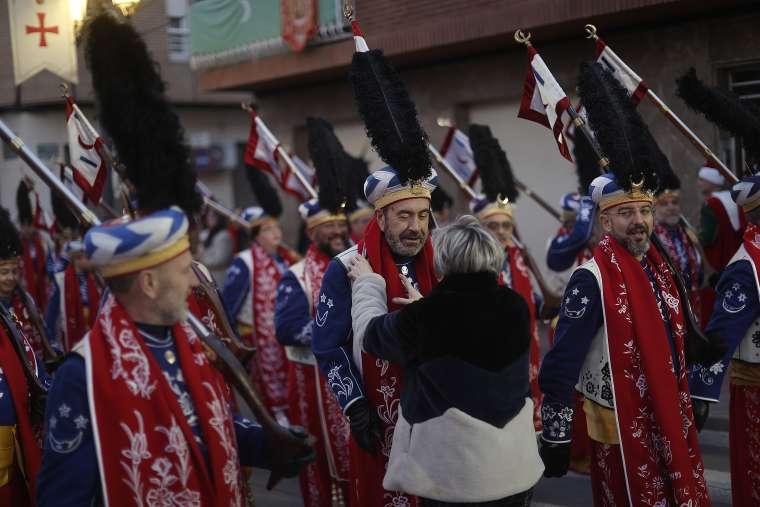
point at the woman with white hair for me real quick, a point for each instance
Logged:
(465, 432)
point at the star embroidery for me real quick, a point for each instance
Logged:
(735, 286)
(575, 291)
(567, 301)
(288, 289)
(742, 297)
(80, 422)
(585, 300)
(64, 410)
(330, 303)
(322, 298)
(729, 293)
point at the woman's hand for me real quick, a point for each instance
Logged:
(412, 294)
(358, 266)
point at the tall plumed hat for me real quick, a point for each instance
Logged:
(499, 190)
(440, 199)
(624, 139)
(746, 193)
(10, 242)
(146, 132)
(265, 193)
(358, 173)
(330, 164)
(138, 117)
(64, 218)
(723, 108)
(390, 118)
(24, 203)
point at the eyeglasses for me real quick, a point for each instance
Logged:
(628, 213)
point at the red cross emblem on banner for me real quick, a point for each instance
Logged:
(42, 29)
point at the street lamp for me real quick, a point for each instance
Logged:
(127, 7)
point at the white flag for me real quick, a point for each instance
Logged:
(87, 153)
(42, 37)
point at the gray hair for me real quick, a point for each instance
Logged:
(466, 247)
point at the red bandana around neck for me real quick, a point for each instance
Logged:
(270, 360)
(146, 450)
(73, 309)
(315, 265)
(658, 438)
(29, 437)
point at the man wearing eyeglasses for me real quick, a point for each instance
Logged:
(620, 333)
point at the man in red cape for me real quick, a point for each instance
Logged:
(249, 297)
(620, 341)
(312, 404)
(20, 410)
(396, 243)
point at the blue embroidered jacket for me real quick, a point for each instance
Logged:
(563, 249)
(736, 308)
(292, 318)
(69, 475)
(332, 336)
(580, 318)
(237, 284)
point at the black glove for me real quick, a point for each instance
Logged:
(556, 458)
(365, 426)
(710, 352)
(701, 410)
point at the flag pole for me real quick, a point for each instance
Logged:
(446, 166)
(283, 154)
(56, 185)
(679, 124)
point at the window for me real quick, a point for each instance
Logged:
(745, 82)
(178, 39)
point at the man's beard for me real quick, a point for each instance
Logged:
(325, 246)
(635, 248)
(399, 248)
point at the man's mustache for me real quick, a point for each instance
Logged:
(638, 228)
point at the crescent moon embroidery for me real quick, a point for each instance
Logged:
(575, 314)
(65, 446)
(321, 319)
(732, 309)
(246, 5)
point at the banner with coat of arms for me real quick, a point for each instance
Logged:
(42, 38)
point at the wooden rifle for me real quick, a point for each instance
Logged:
(290, 449)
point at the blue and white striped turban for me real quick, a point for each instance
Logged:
(384, 187)
(119, 248)
(607, 193)
(313, 214)
(570, 201)
(255, 216)
(483, 208)
(746, 193)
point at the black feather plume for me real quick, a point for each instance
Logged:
(617, 126)
(390, 116)
(493, 166)
(63, 216)
(265, 193)
(136, 114)
(586, 162)
(357, 173)
(24, 204)
(10, 241)
(440, 199)
(330, 161)
(723, 108)
(668, 179)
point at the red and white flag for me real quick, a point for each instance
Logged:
(67, 177)
(42, 38)
(457, 152)
(544, 101)
(87, 154)
(622, 72)
(262, 153)
(308, 174)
